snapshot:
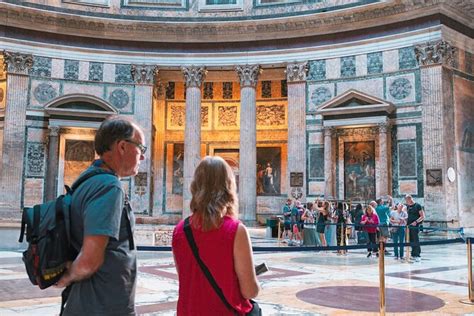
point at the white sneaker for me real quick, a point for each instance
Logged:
(417, 259)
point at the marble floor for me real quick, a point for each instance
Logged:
(298, 283)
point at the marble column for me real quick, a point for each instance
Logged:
(296, 159)
(194, 77)
(329, 163)
(51, 180)
(248, 76)
(436, 60)
(159, 123)
(11, 178)
(144, 79)
(382, 185)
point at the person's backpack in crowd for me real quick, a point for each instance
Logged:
(47, 228)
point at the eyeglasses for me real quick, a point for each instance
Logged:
(140, 146)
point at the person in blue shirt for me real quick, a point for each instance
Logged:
(287, 234)
(383, 212)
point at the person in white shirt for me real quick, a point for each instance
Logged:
(398, 218)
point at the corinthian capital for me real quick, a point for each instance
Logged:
(437, 52)
(329, 131)
(296, 72)
(384, 128)
(53, 131)
(144, 74)
(17, 62)
(248, 75)
(194, 76)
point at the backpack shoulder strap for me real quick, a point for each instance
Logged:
(89, 175)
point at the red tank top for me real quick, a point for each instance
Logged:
(216, 248)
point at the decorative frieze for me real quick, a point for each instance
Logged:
(348, 66)
(227, 90)
(271, 115)
(296, 72)
(266, 89)
(194, 76)
(41, 67)
(317, 70)
(17, 62)
(352, 132)
(123, 74)
(96, 71)
(227, 116)
(437, 52)
(248, 75)
(71, 69)
(145, 74)
(35, 160)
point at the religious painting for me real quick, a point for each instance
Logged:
(178, 169)
(231, 156)
(78, 156)
(359, 170)
(268, 170)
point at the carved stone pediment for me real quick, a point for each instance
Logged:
(80, 105)
(353, 101)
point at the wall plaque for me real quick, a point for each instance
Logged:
(434, 177)
(296, 179)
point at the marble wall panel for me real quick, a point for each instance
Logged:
(406, 58)
(41, 67)
(57, 68)
(96, 71)
(401, 88)
(318, 94)
(390, 61)
(71, 69)
(406, 132)
(87, 88)
(317, 70)
(361, 65)
(372, 87)
(316, 188)
(35, 159)
(408, 187)
(84, 70)
(348, 66)
(374, 63)
(316, 162)
(108, 73)
(315, 138)
(34, 187)
(123, 73)
(37, 135)
(333, 68)
(42, 91)
(407, 166)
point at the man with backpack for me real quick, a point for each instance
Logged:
(102, 278)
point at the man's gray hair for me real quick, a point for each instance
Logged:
(111, 130)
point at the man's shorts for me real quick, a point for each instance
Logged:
(287, 226)
(384, 231)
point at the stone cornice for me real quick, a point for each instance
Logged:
(235, 31)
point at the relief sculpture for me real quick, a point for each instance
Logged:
(271, 115)
(227, 115)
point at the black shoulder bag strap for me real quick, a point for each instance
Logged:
(202, 265)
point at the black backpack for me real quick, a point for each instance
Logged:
(48, 235)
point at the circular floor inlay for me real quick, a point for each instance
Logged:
(366, 298)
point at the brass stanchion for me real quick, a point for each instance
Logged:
(470, 290)
(382, 278)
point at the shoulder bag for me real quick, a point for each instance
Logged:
(256, 311)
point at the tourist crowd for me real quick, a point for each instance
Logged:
(333, 223)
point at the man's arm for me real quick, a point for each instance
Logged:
(89, 260)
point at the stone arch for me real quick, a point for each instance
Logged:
(83, 105)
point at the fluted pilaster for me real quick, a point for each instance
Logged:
(248, 76)
(296, 77)
(51, 180)
(194, 77)
(329, 163)
(11, 178)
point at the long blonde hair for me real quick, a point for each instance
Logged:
(213, 192)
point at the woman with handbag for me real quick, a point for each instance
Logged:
(212, 249)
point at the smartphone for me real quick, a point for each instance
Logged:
(261, 268)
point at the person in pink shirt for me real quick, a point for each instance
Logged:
(223, 244)
(370, 220)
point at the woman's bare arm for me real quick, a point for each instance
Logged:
(243, 264)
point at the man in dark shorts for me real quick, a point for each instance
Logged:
(416, 215)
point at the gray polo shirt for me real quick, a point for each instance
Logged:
(98, 209)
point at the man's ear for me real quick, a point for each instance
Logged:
(120, 147)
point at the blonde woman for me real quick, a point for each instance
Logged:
(223, 242)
